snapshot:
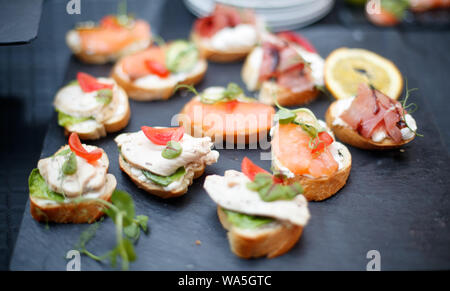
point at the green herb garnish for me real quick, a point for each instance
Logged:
(246, 221)
(104, 96)
(68, 120)
(395, 7)
(70, 165)
(231, 92)
(270, 191)
(73, 83)
(173, 149)
(164, 180)
(39, 188)
(128, 228)
(410, 108)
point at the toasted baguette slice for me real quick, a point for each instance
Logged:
(350, 136)
(271, 241)
(92, 129)
(70, 212)
(217, 56)
(268, 90)
(192, 172)
(318, 189)
(73, 42)
(140, 93)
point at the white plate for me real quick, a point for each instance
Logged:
(280, 18)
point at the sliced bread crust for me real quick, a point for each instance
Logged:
(270, 241)
(318, 189)
(139, 93)
(192, 173)
(218, 56)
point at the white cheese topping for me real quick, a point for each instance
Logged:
(154, 81)
(240, 37)
(316, 62)
(141, 153)
(231, 192)
(88, 177)
(250, 73)
(408, 133)
(340, 107)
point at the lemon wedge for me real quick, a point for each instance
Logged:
(346, 68)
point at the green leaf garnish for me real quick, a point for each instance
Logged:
(104, 96)
(73, 83)
(286, 116)
(165, 180)
(408, 106)
(396, 7)
(39, 189)
(231, 92)
(246, 221)
(69, 167)
(63, 152)
(65, 120)
(269, 191)
(121, 210)
(172, 150)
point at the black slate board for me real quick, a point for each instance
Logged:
(395, 202)
(19, 21)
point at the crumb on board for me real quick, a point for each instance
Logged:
(197, 242)
(402, 150)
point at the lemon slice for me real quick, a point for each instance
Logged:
(346, 68)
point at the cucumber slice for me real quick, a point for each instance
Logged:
(181, 56)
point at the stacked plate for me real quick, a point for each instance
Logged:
(278, 14)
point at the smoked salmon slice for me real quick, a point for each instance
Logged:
(232, 118)
(290, 145)
(135, 65)
(109, 39)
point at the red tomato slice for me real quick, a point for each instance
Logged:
(109, 21)
(161, 136)
(250, 169)
(324, 139)
(231, 105)
(157, 68)
(89, 83)
(298, 39)
(76, 147)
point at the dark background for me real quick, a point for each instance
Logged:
(31, 74)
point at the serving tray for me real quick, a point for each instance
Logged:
(396, 202)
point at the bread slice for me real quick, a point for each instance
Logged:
(268, 90)
(73, 42)
(269, 241)
(92, 129)
(71, 212)
(217, 56)
(350, 136)
(193, 171)
(140, 93)
(318, 189)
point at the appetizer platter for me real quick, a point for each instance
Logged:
(309, 196)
